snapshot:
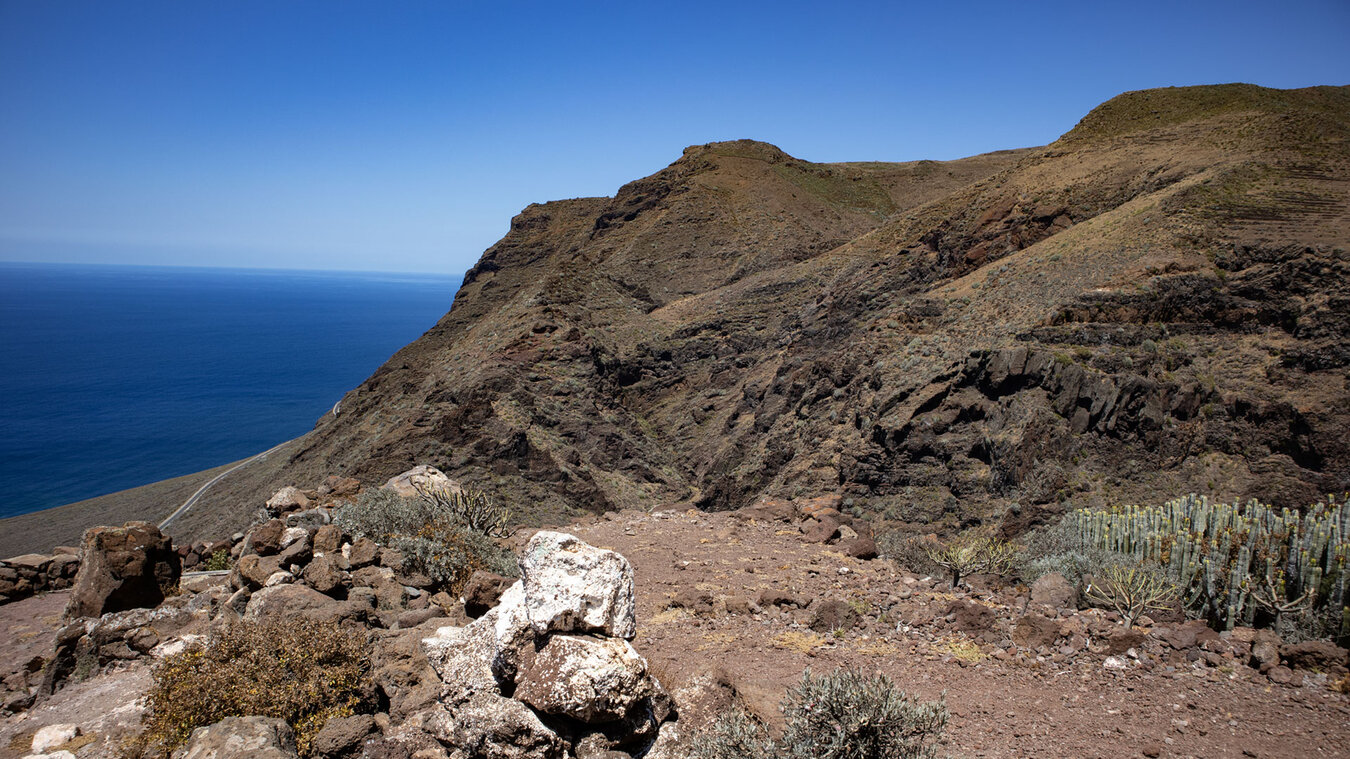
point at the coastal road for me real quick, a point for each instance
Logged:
(202, 490)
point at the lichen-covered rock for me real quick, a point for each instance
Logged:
(471, 659)
(342, 734)
(667, 744)
(241, 738)
(571, 586)
(123, 568)
(585, 678)
(490, 726)
(52, 736)
(310, 519)
(422, 478)
(287, 499)
(290, 535)
(294, 600)
(556, 644)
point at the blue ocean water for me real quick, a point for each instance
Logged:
(117, 376)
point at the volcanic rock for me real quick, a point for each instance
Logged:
(123, 568)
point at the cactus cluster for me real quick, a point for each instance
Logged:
(1235, 562)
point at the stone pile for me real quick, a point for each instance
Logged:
(548, 673)
(33, 573)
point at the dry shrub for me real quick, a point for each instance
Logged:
(301, 671)
(907, 551)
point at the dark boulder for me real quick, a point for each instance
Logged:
(127, 567)
(482, 592)
(832, 615)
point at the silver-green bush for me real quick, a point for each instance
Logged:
(844, 715)
(1061, 548)
(430, 534)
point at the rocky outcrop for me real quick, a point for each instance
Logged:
(123, 568)
(86, 645)
(549, 668)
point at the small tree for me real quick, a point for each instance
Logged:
(969, 553)
(1130, 590)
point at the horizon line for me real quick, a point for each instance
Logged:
(276, 269)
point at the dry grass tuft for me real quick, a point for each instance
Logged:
(964, 650)
(801, 642)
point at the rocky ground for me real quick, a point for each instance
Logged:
(731, 609)
(700, 579)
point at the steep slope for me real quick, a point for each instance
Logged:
(1156, 302)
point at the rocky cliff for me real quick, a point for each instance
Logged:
(1155, 303)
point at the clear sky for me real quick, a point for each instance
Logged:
(402, 135)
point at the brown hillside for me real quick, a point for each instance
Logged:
(1155, 303)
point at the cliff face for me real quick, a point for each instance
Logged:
(1156, 303)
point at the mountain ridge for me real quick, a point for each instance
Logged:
(1154, 303)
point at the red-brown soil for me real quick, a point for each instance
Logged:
(1071, 708)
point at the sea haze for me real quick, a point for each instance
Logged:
(118, 376)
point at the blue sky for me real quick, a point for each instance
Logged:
(403, 135)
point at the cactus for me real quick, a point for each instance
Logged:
(1232, 560)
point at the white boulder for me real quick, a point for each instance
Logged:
(422, 479)
(51, 736)
(293, 535)
(572, 586)
(286, 499)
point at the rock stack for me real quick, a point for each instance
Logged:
(549, 672)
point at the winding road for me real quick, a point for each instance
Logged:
(202, 490)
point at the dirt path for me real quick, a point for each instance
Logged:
(1014, 708)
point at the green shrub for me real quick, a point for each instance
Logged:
(844, 715)
(430, 533)
(301, 671)
(220, 560)
(1131, 589)
(381, 514)
(450, 555)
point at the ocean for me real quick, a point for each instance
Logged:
(117, 376)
